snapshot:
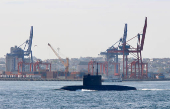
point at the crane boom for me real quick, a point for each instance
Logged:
(65, 64)
(125, 34)
(30, 39)
(143, 35)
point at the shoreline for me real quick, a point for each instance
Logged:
(57, 79)
(37, 79)
(166, 79)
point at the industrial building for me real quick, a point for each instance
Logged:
(12, 59)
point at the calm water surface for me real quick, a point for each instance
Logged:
(42, 95)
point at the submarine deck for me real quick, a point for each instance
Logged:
(99, 88)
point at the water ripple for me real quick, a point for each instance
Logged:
(41, 95)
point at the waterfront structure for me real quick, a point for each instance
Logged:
(17, 54)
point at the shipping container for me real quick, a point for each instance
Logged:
(55, 74)
(36, 76)
(36, 73)
(19, 73)
(49, 75)
(61, 73)
(15, 72)
(160, 76)
(8, 73)
(43, 74)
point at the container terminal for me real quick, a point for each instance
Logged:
(20, 65)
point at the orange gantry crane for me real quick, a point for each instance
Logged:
(66, 64)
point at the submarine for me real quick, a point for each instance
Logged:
(94, 82)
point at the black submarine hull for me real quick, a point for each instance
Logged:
(99, 88)
(94, 82)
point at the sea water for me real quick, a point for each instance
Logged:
(45, 95)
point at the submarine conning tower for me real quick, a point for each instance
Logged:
(92, 80)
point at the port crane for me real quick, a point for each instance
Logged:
(114, 55)
(66, 64)
(21, 53)
(137, 68)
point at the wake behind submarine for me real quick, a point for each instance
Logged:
(94, 82)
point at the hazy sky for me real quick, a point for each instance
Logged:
(84, 27)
